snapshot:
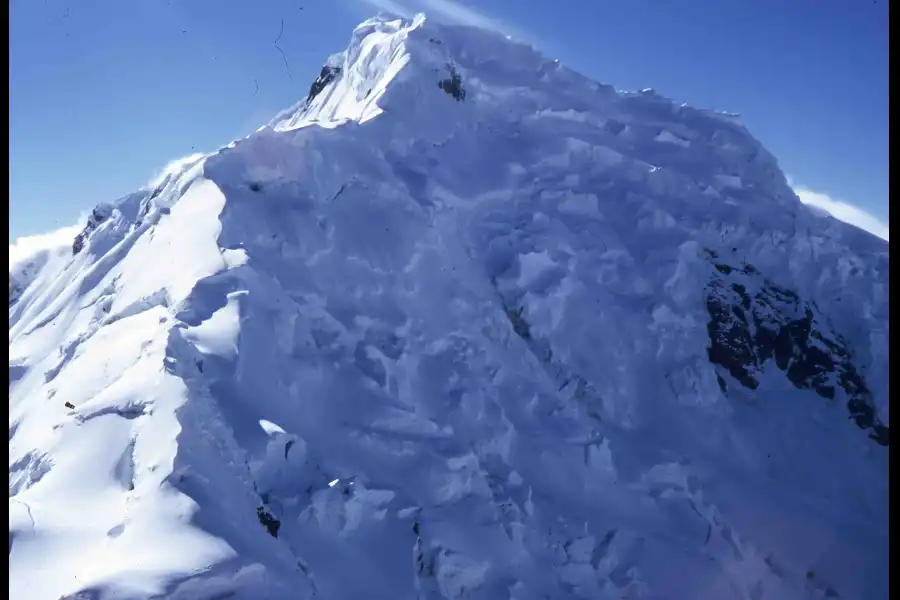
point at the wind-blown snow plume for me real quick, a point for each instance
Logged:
(843, 211)
(29, 247)
(451, 11)
(461, 323)
(34, 256)
(173, 168)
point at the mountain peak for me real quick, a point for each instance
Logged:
(417, 69)
(352, 82)
(461, 324)
(393, 60)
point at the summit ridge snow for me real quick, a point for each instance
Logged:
(462, 323)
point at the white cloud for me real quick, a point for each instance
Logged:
(843, 211)
(27, 247)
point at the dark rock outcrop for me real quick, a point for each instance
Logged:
(98, 216)
(453, 85)
(747, 330)
(268, 521)
(326, 76)
(15, 290)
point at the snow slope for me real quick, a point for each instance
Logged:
(461, 324)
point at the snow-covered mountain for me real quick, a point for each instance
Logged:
(460, 324)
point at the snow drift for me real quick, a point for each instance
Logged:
(460, 324)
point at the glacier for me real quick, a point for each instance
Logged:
(462, 323)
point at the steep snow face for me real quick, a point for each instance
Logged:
(462, 324)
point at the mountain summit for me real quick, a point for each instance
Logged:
(462, 323)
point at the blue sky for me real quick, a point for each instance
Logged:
(103, 94)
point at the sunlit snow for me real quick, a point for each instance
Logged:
(442, 330)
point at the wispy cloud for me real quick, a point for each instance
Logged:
(452, 11)
(458, 12)
(843, 211)
(389, 6)
(28, 247)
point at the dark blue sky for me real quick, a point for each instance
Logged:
(104, 93)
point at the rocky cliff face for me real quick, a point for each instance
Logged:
(755, 323)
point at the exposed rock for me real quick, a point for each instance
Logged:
(268, 521)
(98, 216)
(453, 85)
(15, 290)
(326, 76)
(746, 331)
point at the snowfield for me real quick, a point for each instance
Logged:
(461, 324)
